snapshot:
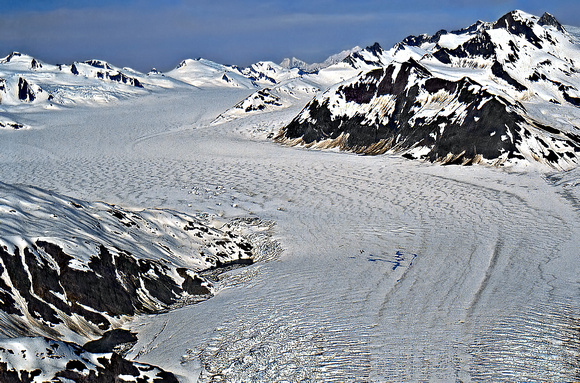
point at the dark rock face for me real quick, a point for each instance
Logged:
(361, 136)
(65, 270)
(514, 25)
(107, 73)
(550, 20)
(12, 125)
(121, 77)
(475, 126)
(112, 370)
(47, 357)
(34, 64)
(13, 376)
(98, 64)
(114, 285)
(255, 77)
(416, 41)
(479, 46)
(25, 93)
(12, 55)
(110, 340)
(404, 108)
(89, 265)
(260, 100)
(498, 71)
(375, 51)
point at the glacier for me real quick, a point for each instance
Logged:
(371, 268)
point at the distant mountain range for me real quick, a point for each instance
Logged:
(497, 93)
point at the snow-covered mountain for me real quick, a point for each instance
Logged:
(28, 84)
(294, 62)
(493, 92)
(121, 282)
(202, 73)
(297, 91)
(71, 269)
(27, 80)
(268, 73)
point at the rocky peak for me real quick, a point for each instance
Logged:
(548, 19)
(375, 49)
(517, 23)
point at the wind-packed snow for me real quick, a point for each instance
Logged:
(391, 269)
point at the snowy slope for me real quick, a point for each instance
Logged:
(392, 270)
(280, 96)
(294, 62)
(36, 360)
(430, 106)
(268, 73)
(26, 80)
(28, 85)
(201, 72)
(73, 269)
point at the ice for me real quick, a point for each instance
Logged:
(484, 289)
(391, 270)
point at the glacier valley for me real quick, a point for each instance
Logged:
(253, 241)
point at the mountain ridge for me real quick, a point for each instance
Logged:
(524, 62)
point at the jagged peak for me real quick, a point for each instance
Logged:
(18, 55)
(475, 27)
(293, 63)
(522, 18)
(265, 64)
(22, 59)
(515, 22)
(518, 14)
(375, 49)
(548, 19)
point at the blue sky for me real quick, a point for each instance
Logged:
(144, 33)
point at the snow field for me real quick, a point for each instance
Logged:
(483, 289)
(391, 270)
